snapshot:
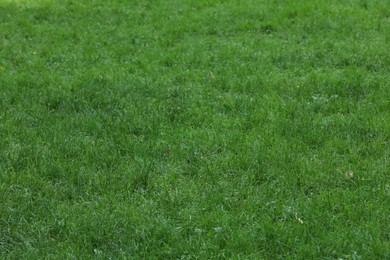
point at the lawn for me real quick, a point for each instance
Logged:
(179, 129)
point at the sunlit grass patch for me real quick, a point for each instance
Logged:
(27, 3)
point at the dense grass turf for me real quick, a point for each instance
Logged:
(195, 129)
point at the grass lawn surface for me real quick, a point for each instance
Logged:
(180, 129)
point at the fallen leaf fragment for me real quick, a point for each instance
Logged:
(348, 174)
(300, 221)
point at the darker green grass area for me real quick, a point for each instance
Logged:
(194, 129)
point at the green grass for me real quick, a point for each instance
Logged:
(195, 129)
